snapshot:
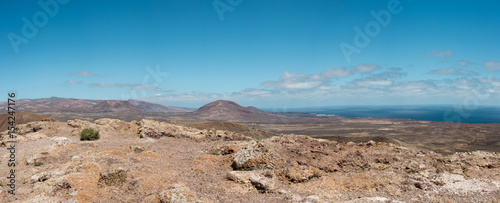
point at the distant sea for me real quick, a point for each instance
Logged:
(482, 114)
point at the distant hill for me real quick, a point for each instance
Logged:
(115, 106)
(151, 107)
(254, 109)
(56, 104)
(222, 110)
(52, 104)
(21, 118)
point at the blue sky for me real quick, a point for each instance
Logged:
(268, 54)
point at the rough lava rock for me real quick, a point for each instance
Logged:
(253, 155)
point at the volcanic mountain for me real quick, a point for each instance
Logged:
(56, 104)
(151, 107)
(222, 110)
(52, 104)
(115, 106)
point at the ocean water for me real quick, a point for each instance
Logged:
(483, 114)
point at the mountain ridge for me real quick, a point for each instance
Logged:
(153, 107)
(57, 104)
(115, 106)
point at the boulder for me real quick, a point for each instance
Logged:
(252, 156)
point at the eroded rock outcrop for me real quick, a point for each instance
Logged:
(252, 156)
(157, 129)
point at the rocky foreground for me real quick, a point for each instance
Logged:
(151, 161)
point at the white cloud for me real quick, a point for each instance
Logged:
(415, 88)
(287, 75)
(252, 91)
(412, 85)
(369, 83)
(476, 82)
(380, 87)
(384, 87)
(293, 85)
(453, 71)
(444, 54)
(301, 81)
(70, 82)
(480, 88)
(388, 75)
(380, 79)
(126, 85)
(101, 85)
(83, 73)
(367, 68)
(337, 72)
(465, 63)
(492, 65)
(330, 87)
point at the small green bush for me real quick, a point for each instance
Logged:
(38, 163)
(381, 167)
(89, 134)
(214, 153)
(138, 150)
